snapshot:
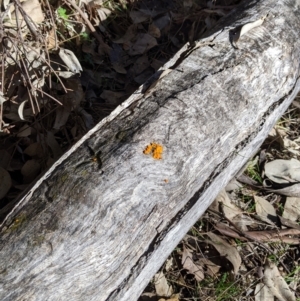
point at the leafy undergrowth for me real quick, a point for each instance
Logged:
(246, 245)
(67, 64)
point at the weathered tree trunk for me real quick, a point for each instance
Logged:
(104, 218)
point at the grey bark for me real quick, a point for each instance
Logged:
(104, 218)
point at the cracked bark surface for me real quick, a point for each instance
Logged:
(104, 218)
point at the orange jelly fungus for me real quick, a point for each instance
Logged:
(148, 149)
(155, 149)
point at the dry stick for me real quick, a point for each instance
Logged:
(55, 38)
(90, 26)
(237, 230)
(30, 89)
(53, 24)
(34, 31)
(48, 64)
(21, 59)
(29, 22)
(40, 38)
(3, 14)
(254, 240)
(43, 92)
(18, 10)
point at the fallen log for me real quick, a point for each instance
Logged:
(103, 219)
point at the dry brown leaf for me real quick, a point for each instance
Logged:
(50, 162)
(138, 16)
(289, 223)
(162, 287)
(241, 221)
(21, 109)
(262, 293)
(103, 13)
(190, 266)
(276, 284)
(162, 22)
(211, 269)
(70, 100)
(70, 60)
(5, 158)
(226, 250)
(225, 230)
(54, 145)
(75, 95)
(62, 114)
(65, 74)
(169, 264)
(24, 131)
(263, 236)
(275, 235)
(141, 64)
(292, 191)
(154, 31)
(5, 182)
(292, 208)
(264, 208)
(210, 22)
(233, 185)
(51, 39)
(156, 64)
(30, 170)
(112, 97)
(230, 209)
(144, 42)
(87, 118)
(151, 11)
(118, 67)
(174, 297)
(32, 8)
(2, 98)
(283, 171)
(128, 37)
(34, 150)
(188, 4)
(291, 146)
(119, 58)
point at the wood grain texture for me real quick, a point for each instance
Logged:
(104, 218)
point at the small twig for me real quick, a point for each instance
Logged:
(43, 92)
(90, 25)
(55, 39)
(3, 14)
(29, 22)
(53, 24)
(254, 240)
(48, 64)
(27, 77)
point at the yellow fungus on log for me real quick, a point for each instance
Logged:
(155, 149)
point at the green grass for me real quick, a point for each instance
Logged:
(226, 289)
(62, 13)
(292, 275)
(253, 171)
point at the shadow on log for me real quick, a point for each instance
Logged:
(104, 218)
